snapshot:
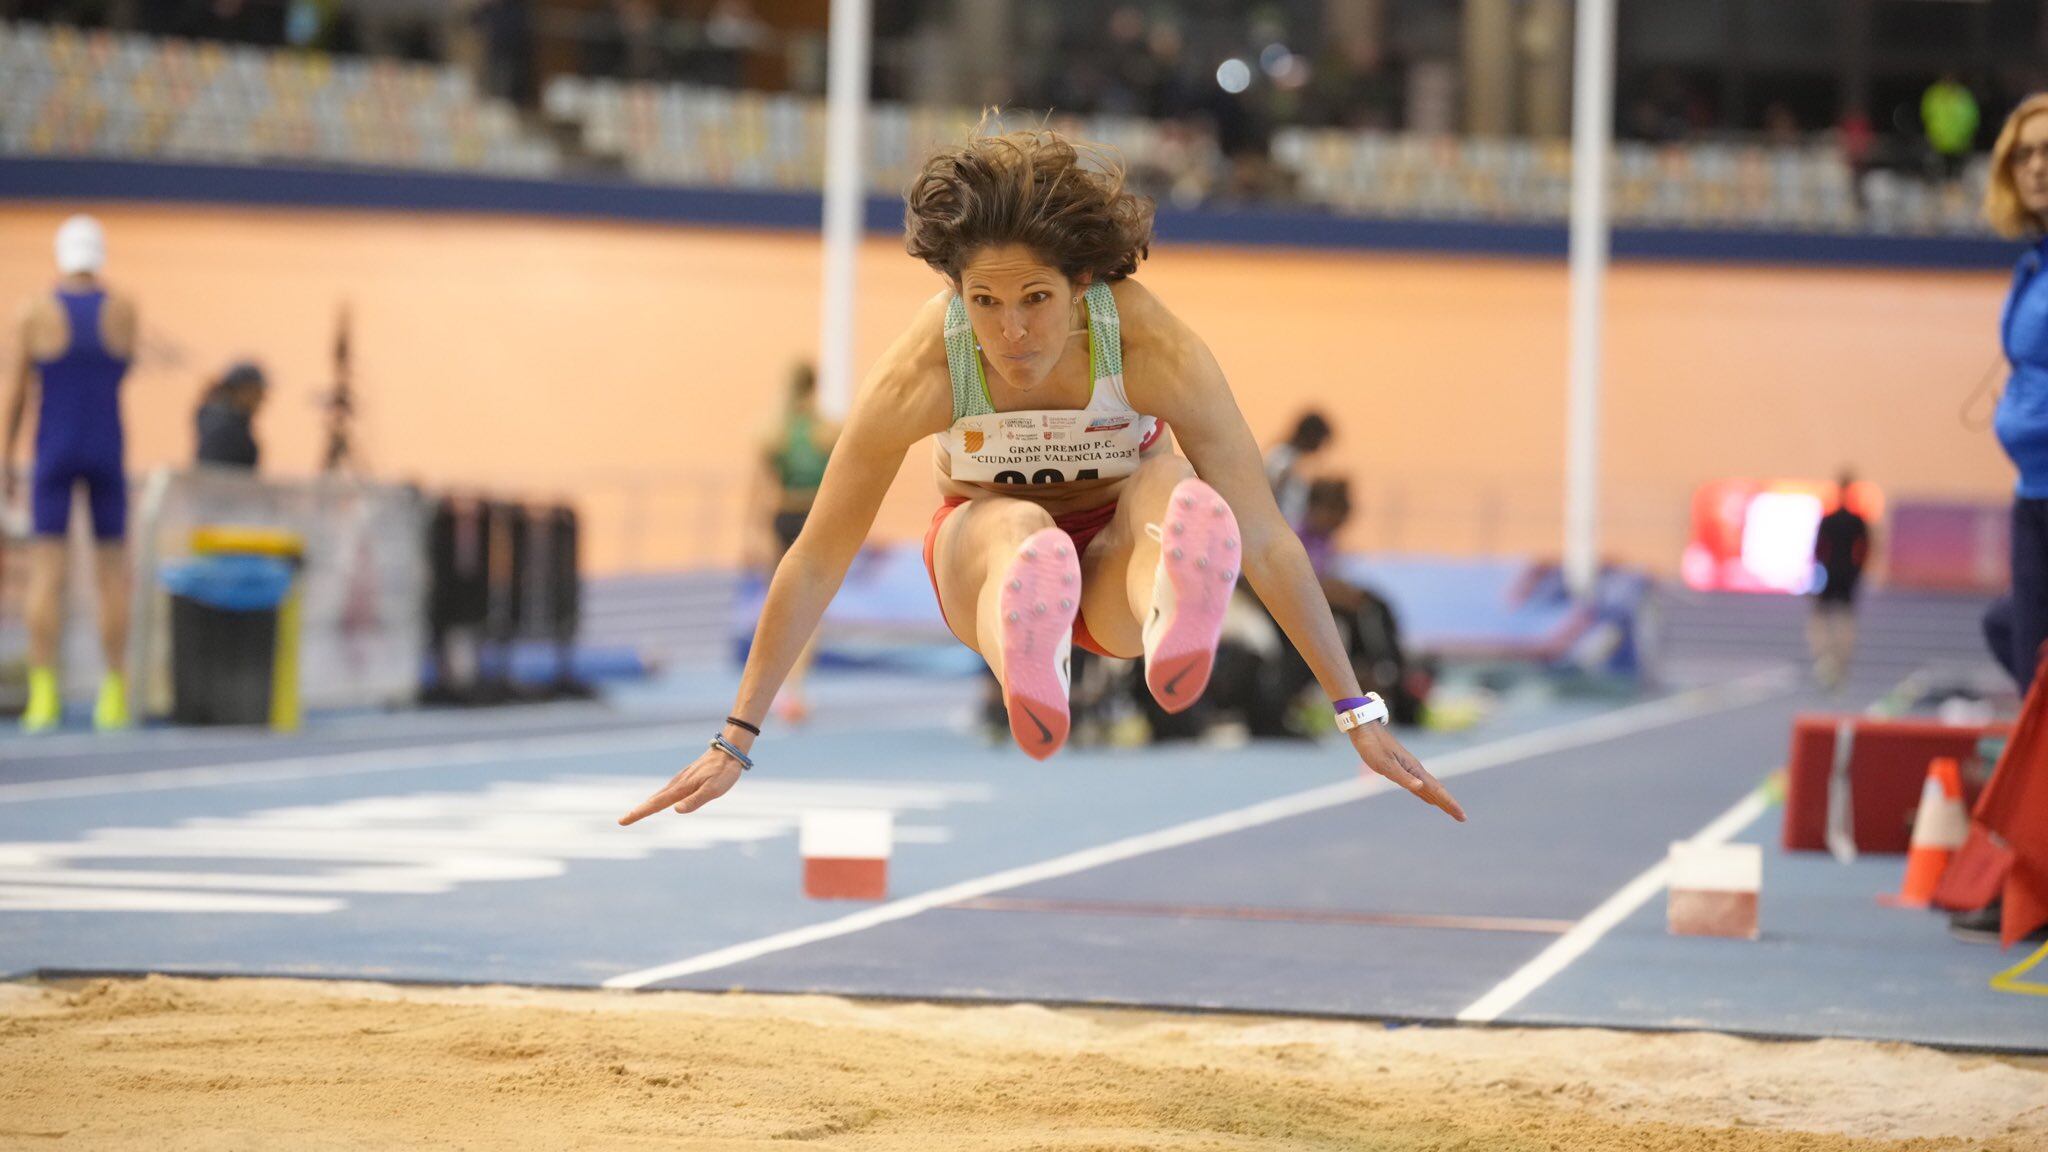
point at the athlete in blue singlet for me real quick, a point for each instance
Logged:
(75, 346)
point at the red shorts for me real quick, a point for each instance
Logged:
(1081, 526)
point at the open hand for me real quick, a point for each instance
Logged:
(711, 775)
(1384, 755)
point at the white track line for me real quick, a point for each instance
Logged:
(143, 741)
(352, 763)
(683, 737)
(1601, 920)
(1593, 730)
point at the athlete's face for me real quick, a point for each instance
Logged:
(1022, 310)
(2029, 161)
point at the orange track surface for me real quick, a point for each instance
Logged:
(634, 367)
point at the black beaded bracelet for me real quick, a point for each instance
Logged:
(739, 723)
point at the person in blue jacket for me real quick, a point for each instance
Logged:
(2017, 204)
(2016, 201)
(73, 346)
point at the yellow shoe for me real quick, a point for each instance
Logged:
(45, 708)
(111, 713)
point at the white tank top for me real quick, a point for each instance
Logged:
(1103, 440)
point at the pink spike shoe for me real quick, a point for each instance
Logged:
(1199, 558)
(1040, 596)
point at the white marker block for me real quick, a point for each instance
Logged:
(846, 853)
(1714, 889)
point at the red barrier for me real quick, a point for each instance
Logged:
(2012, 817)
(1887, 768)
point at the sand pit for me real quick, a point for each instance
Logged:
(272, 1064)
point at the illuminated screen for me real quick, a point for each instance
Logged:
(1757, 535)
(1777, 539)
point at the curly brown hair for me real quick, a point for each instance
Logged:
(1064, 201)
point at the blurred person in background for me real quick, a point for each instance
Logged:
(239, 21)
(793, 459)
(1352, 86)
(1781, 126)
(1949, 116)
(2016, 202)
(226, 418)
(1841, 548)
(1286, 471)
(505, 28)
(1857, 139)
(1365, 621)
(733, 31)
(73, 348)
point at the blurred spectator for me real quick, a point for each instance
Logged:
(1948, 114)
(240, 21)
(1781, 126)
(639, 32)
(1371, 634)
(1666, 112)
(1365, 621)
(319, 25)
(1186, 166)
(1130, 66)
(506, 29)
(1352, 87)
(226, 417)
(1858, 141)
(1841, 547)
(793, 459)
(396, 28)
(732, 32)
(1175, 87)
(1284, 465)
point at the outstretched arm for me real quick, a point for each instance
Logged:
(1171, 374)
(856, 480)
(902, 402)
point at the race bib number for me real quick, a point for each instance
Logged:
(1046, 447)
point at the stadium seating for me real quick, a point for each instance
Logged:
(67, 92)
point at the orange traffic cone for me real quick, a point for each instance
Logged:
(1939, 828)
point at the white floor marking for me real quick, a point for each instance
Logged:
(420, 843)
(543, 719)
(685, 738)
(1593, 730)
(1601, 920)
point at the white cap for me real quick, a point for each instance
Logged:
(81, 246)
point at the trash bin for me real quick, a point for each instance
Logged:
(277, 544)
(224, 637)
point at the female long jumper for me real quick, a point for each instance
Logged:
(1053, 389)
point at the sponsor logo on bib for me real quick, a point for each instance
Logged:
(974, 439)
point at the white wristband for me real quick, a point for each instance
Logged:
(1373, 711)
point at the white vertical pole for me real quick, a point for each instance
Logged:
(1592, 140)
(845, 196)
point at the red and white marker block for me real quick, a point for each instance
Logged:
(846, 853)
(1714, 889)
